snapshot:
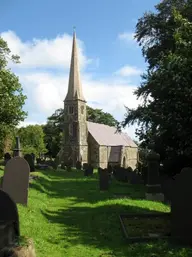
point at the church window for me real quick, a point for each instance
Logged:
(70, 129)
(73, 129)
(71, 110)
(82, 109)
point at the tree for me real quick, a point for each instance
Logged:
(54, 130)
(12, 98)
(165, 114)
(98, 116)
(32, 139)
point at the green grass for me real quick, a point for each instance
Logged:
(68, 216)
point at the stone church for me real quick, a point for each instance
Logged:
(88, 142)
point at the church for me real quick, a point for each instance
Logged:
(88, 142)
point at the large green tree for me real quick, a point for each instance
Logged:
(53, 129)
(32, 139)
(164, 117)
(12, 98)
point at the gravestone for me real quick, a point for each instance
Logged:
(153, 186)
(78, 165)
(33, 156)
(9, 220)
(103, 179)
(135, 179)
(16, 179)
(181, 208)
(56, 163)
(167, 187)
(30, 160)
(7, 157)
(17, 150)
(85, 165)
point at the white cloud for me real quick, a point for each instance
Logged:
(128, 71)
(46, 53)
(127, 36)
(46, 89)
(27, 123)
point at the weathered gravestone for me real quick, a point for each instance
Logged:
(29, 158)
(16, 179)
(88, 171)
(17, 150)
(181, 208)
(135, 179)
(103, 179)
(167, 187)
(85, 165)
(9, 220)
(120, 174)
(7, 157)
(153, 186)
(78, 165)
(33, 156)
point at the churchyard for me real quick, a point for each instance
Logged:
(76, 212)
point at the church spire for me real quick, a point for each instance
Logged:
(74, 86)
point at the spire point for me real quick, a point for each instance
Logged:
(74, 29)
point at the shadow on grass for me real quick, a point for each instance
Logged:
(92, 218)
(100, 228)
(84, 189)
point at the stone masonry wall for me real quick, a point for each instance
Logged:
(130, 154)
(93, 151)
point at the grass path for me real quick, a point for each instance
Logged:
(68, 216)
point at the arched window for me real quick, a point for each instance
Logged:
(71, 109)
(82, 109)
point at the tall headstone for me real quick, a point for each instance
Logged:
(181, 208)
(29, 158)
(9, 220)
(103, 179)
(17, 150)
(16, 179)
(153, 187)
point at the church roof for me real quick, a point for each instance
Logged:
(106, 135)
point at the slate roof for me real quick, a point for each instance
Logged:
(106, 135)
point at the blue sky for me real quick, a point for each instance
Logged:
(110, 60)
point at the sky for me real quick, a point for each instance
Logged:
(111, 61)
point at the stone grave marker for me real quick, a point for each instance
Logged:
(153, 186)
(103, 179)
(16, 179)
(181, 208)
(7, 157)
(29, 158)
(33, 156)
(135, 179)
(78, 165)
(9, 220)
(17, 149)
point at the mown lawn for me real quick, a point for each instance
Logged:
(68, 216)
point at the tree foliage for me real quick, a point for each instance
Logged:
(12, 98)
(165, 116)
(101, 117)
(32, 139)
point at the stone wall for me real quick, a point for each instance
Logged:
(93, 151)
(130, 154)
(103, 156)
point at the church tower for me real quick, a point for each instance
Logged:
(74, 145)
